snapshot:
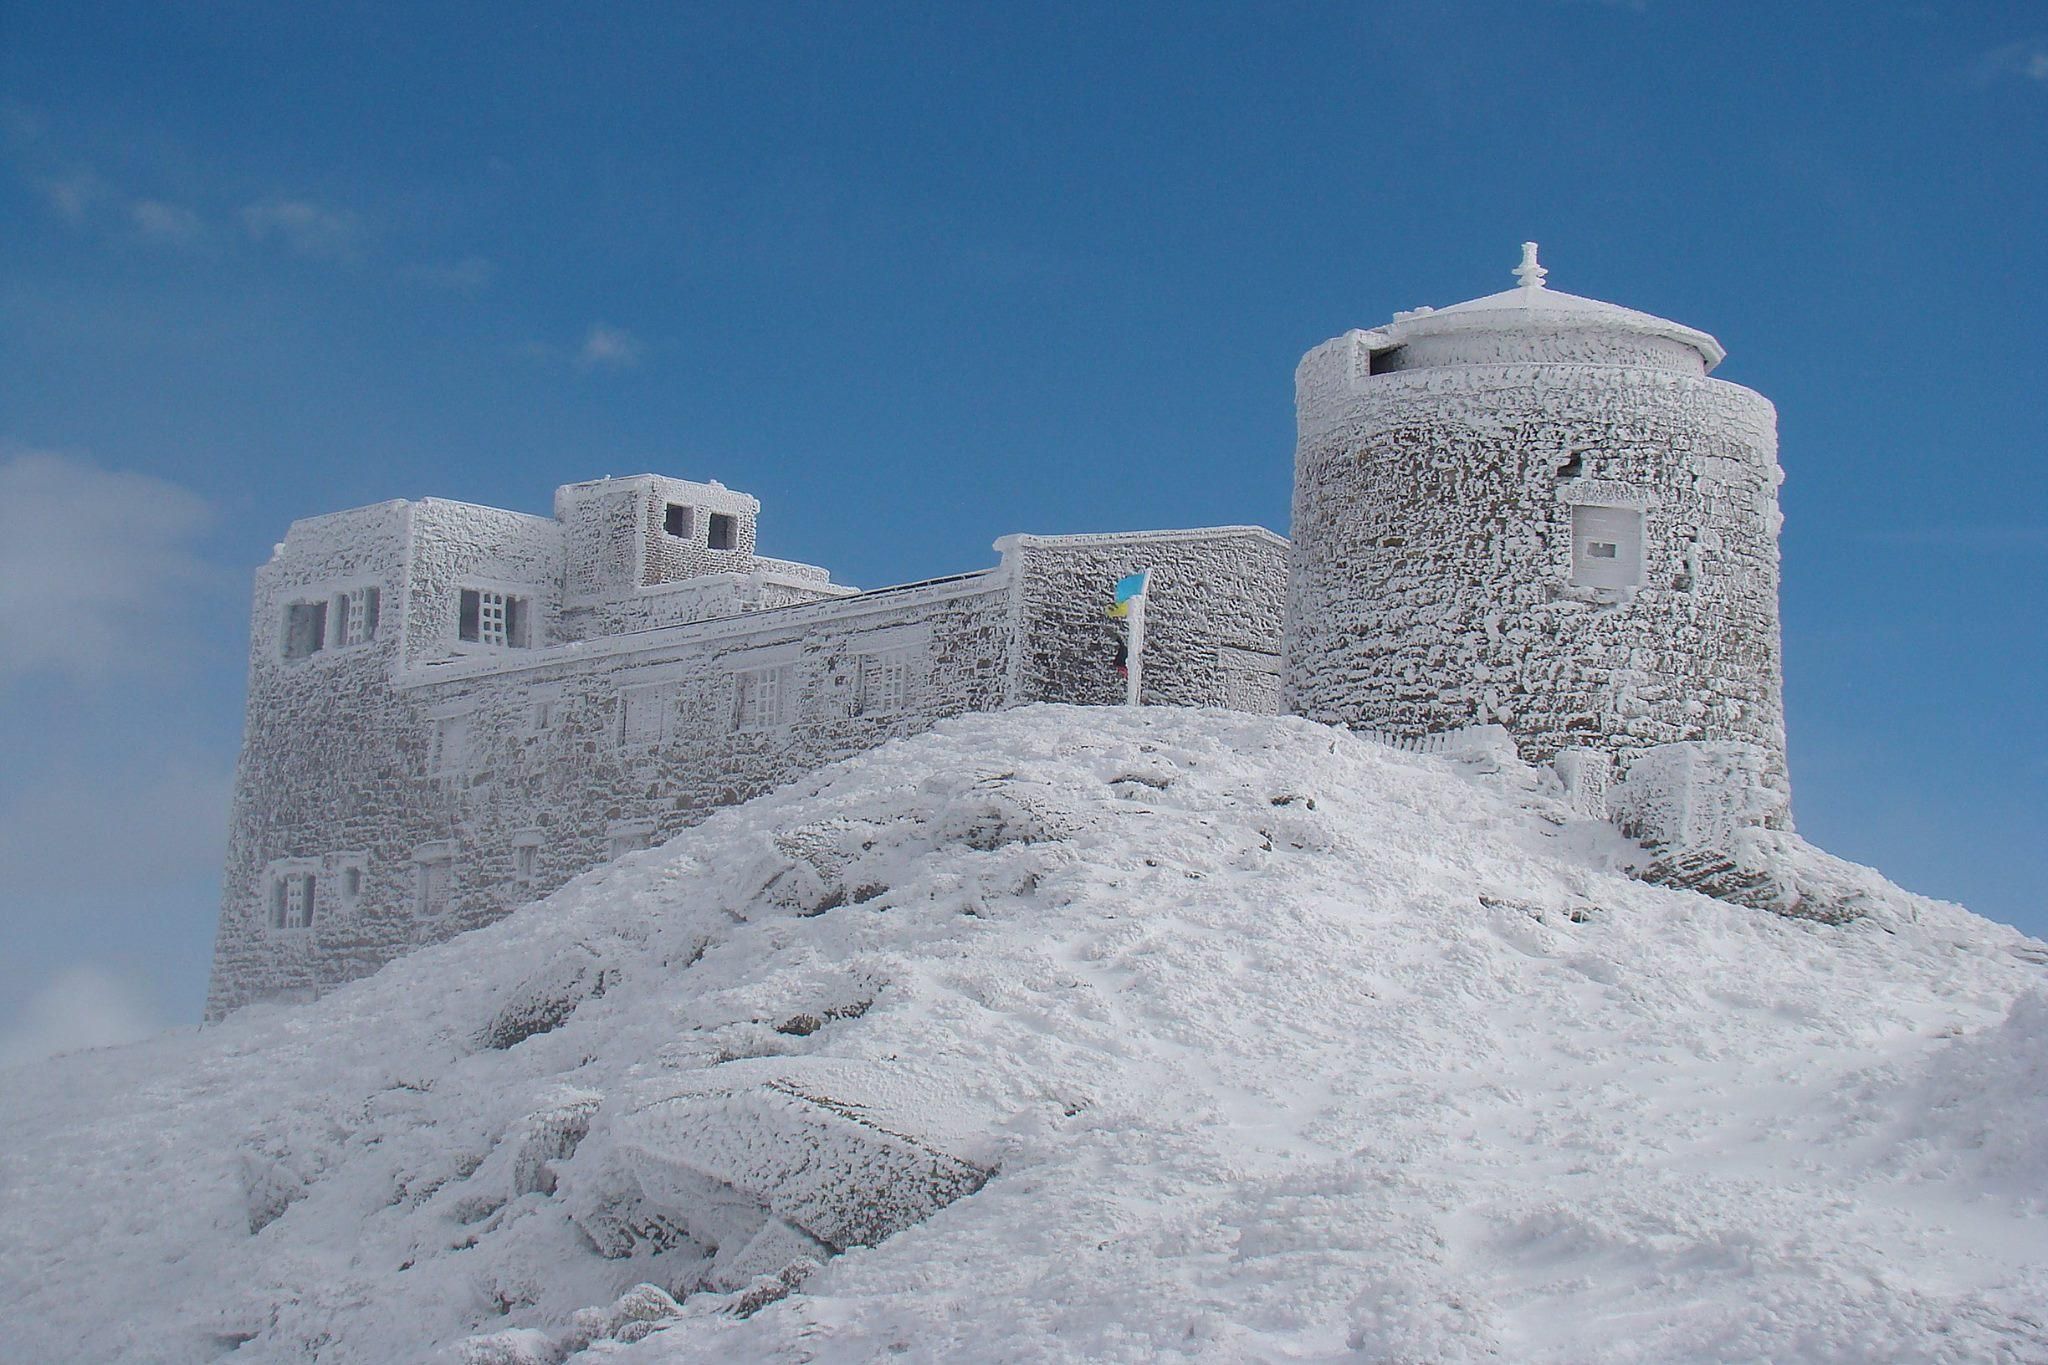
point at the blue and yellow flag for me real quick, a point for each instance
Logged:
(1128, 587)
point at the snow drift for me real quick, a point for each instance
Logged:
(1082, 1034)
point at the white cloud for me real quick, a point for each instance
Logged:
(468, 275)
(80, 1007)
(305, 227)
(170, 224)
(2028, 60)
(607, 347)
(92, 564)
(74, 194)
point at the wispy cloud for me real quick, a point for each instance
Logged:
(169, 224)
(79, 1007)
(604, 347)
(73, 194)
(2025, 60)
(469, 275)
(71, 602)
(607, 347)
(302, 226)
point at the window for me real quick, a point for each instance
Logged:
(646, 715)
(305, 629)
(542, 709)
(678, 521)
(346, 618)
(526, 856)
(723, 531)
(291, 899)
(346, 875)
(485, 617)
(762, 695)
(1607, 547)
(354, 615)
(433, 869)
(884, 685)
(629, 838)
(450, 749)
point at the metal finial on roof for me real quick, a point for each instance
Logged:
(1528, 273)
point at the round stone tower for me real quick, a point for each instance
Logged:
(1536, 510)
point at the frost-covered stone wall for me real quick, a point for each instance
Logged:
(479, 746)
(1532, 510)
(1446, 501)
(1214, 602)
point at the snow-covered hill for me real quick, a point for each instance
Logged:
(1074, 1034)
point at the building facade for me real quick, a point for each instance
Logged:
(454, 709)
(1539, 511)
(1533, 511)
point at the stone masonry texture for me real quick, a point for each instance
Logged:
(427, 784)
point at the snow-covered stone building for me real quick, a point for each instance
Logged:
(1537, 511)
(1533, 511)
(453, 709)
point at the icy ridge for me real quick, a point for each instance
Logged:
(1072, 1033)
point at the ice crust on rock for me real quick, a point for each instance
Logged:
(1078, 1034)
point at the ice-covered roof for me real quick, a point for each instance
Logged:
(1532, 304)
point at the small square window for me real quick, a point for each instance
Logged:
(1607, 547)
(353, 617)
(628, 838)
(884, 685)
(305, 629)
(344, 882)
(433, 880)
(646, 715)
(292, 899)
(678, 521)
(448, 753)
(723, 533)
(483, 617)
(761, 697)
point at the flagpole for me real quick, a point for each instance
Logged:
(1134, 677)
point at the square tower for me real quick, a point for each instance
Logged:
(622, 535)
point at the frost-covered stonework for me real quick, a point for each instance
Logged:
(1537, 511)
(454, 709)
(1531, 510)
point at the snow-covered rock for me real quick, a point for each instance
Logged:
(1077, 1033)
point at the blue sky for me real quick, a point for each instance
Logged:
(920, 276)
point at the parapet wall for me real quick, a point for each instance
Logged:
(1214, 603)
